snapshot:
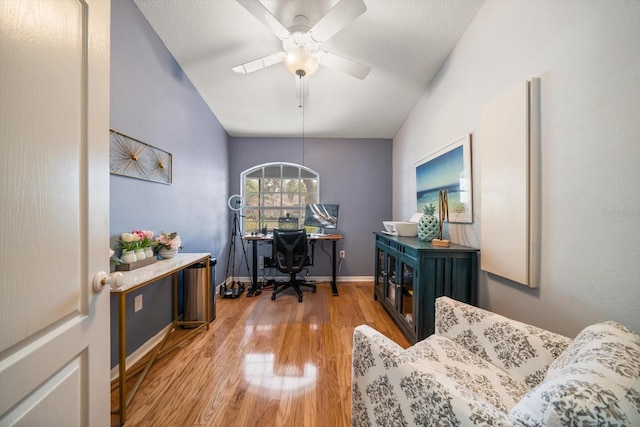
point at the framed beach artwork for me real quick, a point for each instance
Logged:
(447, 169)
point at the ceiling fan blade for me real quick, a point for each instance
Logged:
(337, 18)
(339, 63)
(263, 15)
(259, 64)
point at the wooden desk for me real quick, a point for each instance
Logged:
(136, 279)
(333, 238)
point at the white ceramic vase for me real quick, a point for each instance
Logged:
(167, 253)
(128, 257)
(148, 252)
(140, 254)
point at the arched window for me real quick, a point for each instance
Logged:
(276, 194)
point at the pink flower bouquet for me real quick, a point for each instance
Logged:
(137, 239)
(130, 241)
(146, 237)
(169, 240)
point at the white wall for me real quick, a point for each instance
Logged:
(587, 54)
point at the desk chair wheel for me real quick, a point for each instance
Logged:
(299, 298)
(273, 297)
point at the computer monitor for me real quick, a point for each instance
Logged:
(321, 215)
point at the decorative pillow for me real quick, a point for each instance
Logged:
(595, 381)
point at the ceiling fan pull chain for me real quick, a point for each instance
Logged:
(302, 107)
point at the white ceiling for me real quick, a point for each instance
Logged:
(404, 41)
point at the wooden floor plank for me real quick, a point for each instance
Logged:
(264, 363)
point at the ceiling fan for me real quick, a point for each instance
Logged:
(301, 44)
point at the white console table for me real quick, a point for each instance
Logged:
(136, 279)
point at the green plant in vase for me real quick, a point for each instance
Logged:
(428, 225)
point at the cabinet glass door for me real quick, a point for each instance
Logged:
(380, 271)
(392, 281)
(406, 286)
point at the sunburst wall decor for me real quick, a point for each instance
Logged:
(135, 159)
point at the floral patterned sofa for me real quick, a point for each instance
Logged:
(483, 369)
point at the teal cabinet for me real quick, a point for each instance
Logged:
(410, 274)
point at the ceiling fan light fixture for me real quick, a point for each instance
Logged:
(300, 61)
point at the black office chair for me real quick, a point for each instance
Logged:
(290, 254)
(288, 222)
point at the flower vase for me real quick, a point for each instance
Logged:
(428, 228)
(167, 253)
(140, 254)
(148, 252)
(128, 257)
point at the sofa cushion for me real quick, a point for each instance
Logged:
(394, 387)
(525, 352)
(595, 381)
(469, 370)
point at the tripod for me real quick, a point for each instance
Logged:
(233, 291)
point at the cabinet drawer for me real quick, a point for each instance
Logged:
(410, 252)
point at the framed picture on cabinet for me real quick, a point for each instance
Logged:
(447, 169)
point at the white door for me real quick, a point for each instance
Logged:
(54, 203)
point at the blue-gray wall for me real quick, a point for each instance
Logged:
(152, 100)
(587, 55)
(356, 173)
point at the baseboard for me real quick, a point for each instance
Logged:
(353, 279)
(339, 279)
(141, 351)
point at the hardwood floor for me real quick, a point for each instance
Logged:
(264, 363)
